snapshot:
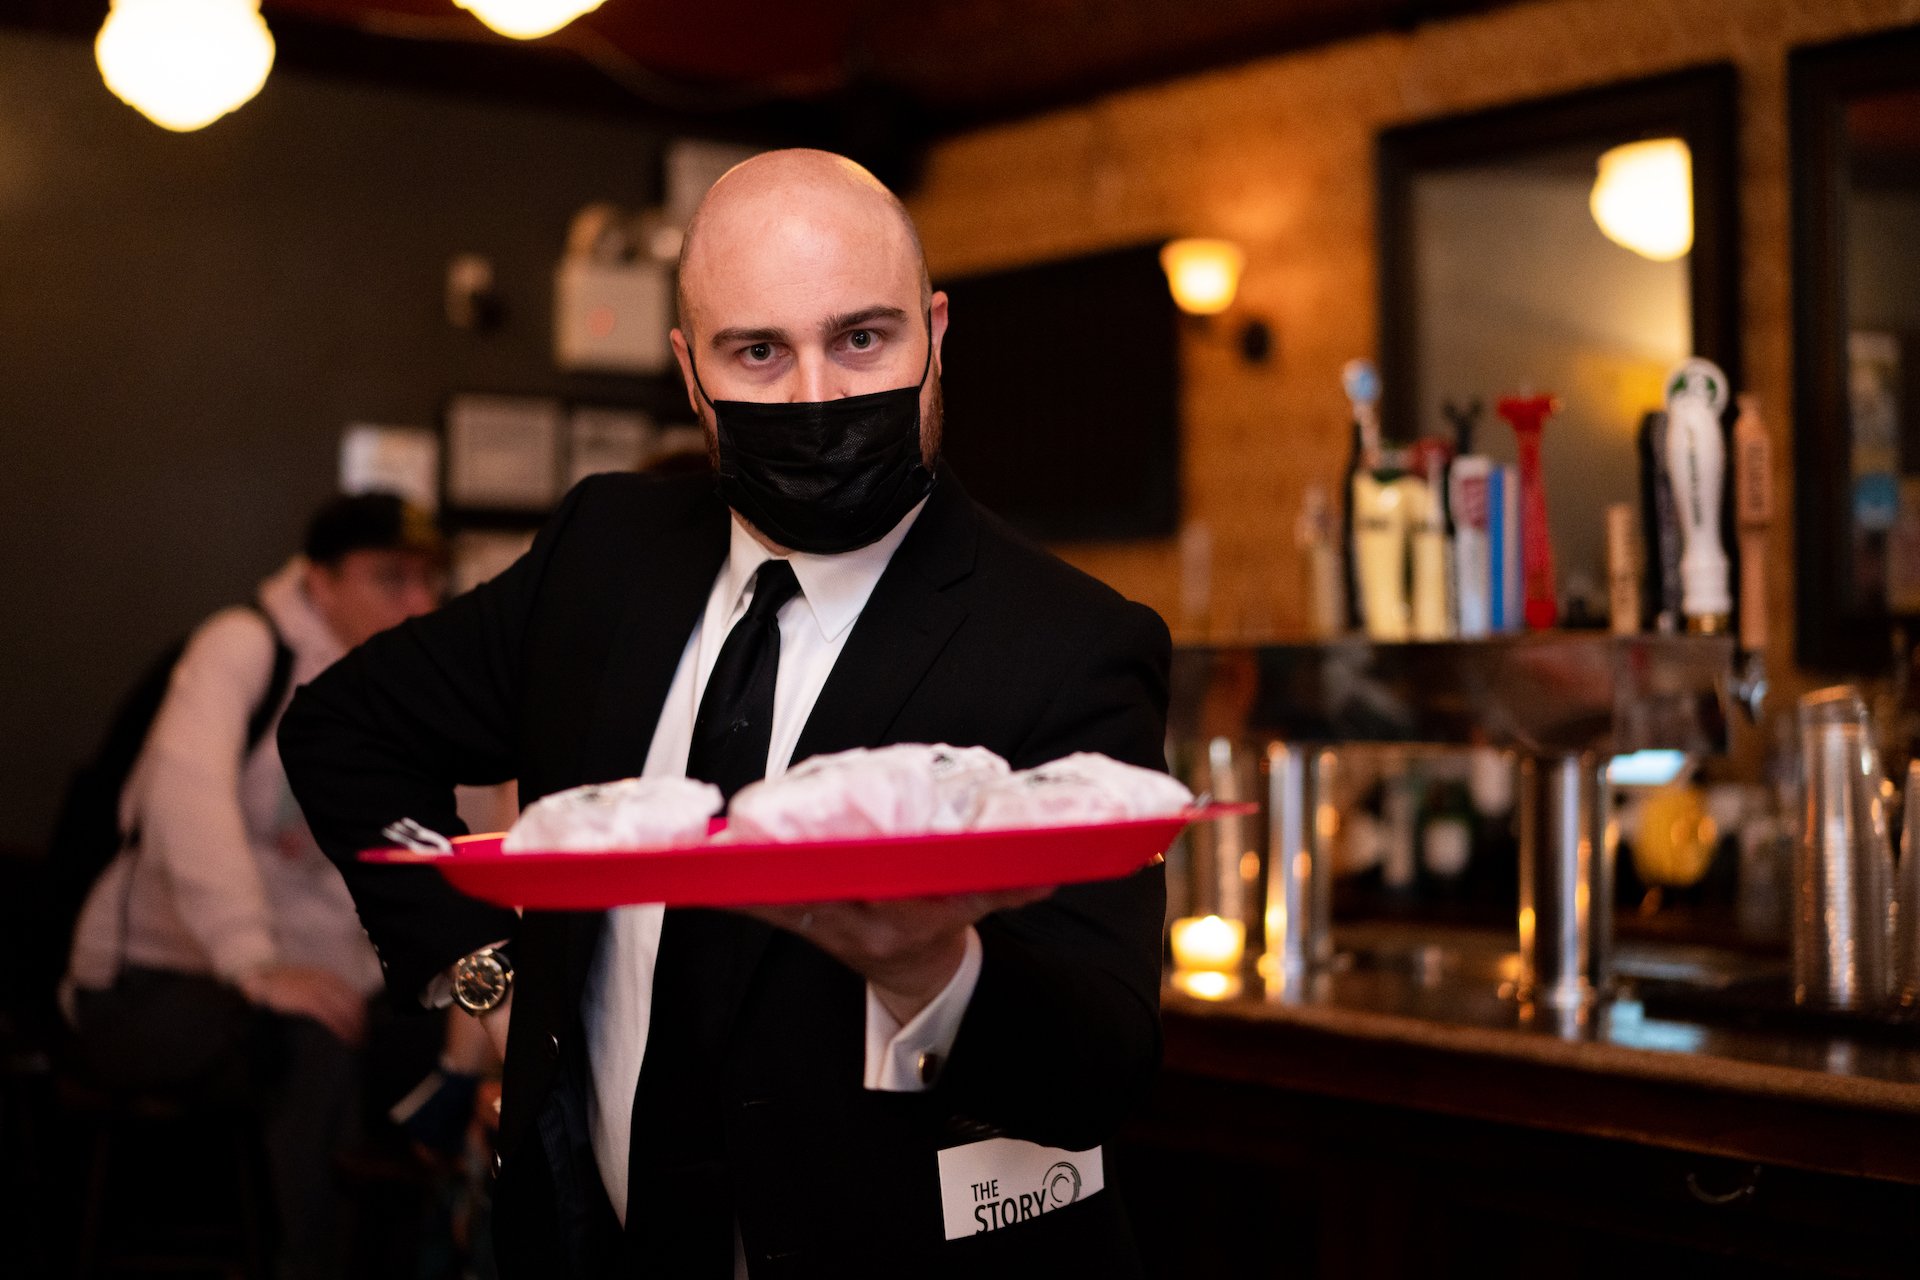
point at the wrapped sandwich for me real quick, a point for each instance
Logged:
(634, 813)
(909, 789)
(1078, 789)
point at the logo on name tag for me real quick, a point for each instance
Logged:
(1001, 1182)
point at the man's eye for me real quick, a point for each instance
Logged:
(760, 352)
(860, 339)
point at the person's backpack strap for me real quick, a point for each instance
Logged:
(277, 684)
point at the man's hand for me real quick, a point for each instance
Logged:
(906, 948)
(302, 992)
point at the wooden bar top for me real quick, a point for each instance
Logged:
(1434, 1027)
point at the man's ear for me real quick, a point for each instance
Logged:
(937, 316)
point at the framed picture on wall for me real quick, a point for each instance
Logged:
(402, 460)
(602, 439)
(503, 452)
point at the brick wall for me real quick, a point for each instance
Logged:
(1278, 155)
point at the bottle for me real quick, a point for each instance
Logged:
(1362, 386)
(1321, 571)
(1660, 527)
(1470, 495)
(1623, 571)
(1432, 595)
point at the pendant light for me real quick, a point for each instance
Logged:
(527, 19)
(184, 63)
(1643, 198)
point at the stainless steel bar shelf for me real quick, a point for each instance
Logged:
(1565, 702)
(1542, 693)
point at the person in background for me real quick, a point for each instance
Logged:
(219, 955)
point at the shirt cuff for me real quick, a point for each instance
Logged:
(905, 1059)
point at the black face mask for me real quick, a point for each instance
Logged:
(825, 476)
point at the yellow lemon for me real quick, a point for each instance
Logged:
(1677, 838)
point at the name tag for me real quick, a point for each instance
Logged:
(1000, 1182)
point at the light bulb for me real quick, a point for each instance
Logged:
(1203, 274)
(184, 63)
(527, 19)
(1643, 198)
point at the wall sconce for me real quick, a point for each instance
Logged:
(1204, 276)
(1643, 198)
(184, 63)
(527, 19)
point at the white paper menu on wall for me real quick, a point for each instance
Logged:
(401, 460)
(503, 452)
(607, 440)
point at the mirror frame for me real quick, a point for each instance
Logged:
(1699, 104)
(1821, 80)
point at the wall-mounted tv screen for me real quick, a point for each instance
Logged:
(1062, 385)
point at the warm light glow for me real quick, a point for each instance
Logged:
(527, 19)
(184, 63)
(1643, 198)
(1207, 985)
(1208, 942)
(1203, 274)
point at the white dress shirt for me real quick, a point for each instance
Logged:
(618, 1001)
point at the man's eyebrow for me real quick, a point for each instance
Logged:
(854, 319)
(728, 337)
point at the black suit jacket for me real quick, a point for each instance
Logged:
(555, 673)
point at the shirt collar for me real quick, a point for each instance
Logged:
(835, 587)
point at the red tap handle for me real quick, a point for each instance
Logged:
(1528, 415)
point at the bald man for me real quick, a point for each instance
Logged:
(844, 1089)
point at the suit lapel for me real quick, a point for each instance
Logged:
(905, 625)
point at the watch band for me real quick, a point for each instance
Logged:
(482, 980)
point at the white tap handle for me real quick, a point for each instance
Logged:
(1697, 465)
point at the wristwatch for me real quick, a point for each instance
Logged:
(482, 980)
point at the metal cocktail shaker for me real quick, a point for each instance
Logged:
(1843, 862)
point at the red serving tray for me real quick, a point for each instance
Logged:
(730, 875)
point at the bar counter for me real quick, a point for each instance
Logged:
(1405, 1094)
(1429, 1027)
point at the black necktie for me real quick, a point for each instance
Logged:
(734, 728)
(680, 1212)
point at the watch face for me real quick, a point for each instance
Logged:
(480, 981)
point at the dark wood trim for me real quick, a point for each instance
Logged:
(1699, 104)
(1803, 1133)
(1828, 634)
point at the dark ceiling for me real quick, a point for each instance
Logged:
(878, 78)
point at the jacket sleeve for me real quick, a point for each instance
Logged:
(390, 730)
(1062, 1037)
(186, 793)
